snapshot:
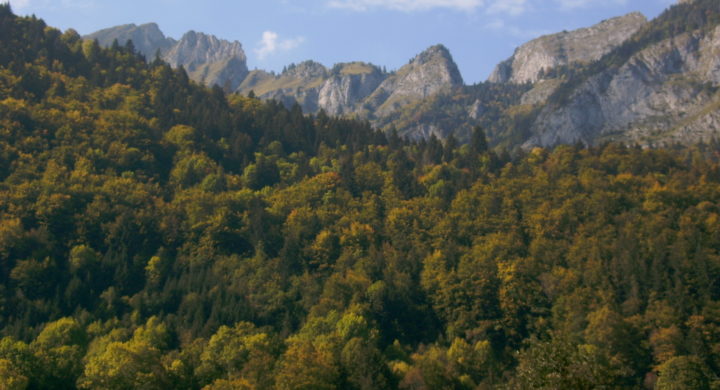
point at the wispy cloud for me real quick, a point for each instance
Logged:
(407, 5)
(507, 7)
(271, 43)
(511, 7)
(501, 26)
(572, 4)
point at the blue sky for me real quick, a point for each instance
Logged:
(274, 33)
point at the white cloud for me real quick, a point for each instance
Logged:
(511, 7)
(271, 43)
(407, 5)
(572, 4)
(499, 25)
(507, 7)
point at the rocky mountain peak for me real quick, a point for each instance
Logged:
(433, 53)
(578, 46)
(438, 59)
(428, 73)
(431, 70)
(151, 28)
(195, 49)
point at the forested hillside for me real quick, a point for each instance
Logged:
(157, 234)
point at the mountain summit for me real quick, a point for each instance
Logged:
(209, 60)
(584, 45)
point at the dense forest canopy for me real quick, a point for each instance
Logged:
(158, 234)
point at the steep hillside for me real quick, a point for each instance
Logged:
(659, 87)
(157, 234)
(492, 106)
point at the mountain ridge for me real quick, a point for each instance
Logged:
(583, 45)
(206, 58)
(561, 93)
(661, 88)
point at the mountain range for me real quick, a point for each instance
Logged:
(626, 78)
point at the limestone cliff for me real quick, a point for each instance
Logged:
(299, 83)
(427, 74)
(584, 45)
(348, 85)
(665, 93)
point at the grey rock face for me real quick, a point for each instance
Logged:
(659, 95)
(209, 60)
(196, 49)
(348, 85)
(541, 91)
(427, 74)
(476, 110)
(299, 83)
(550, 51)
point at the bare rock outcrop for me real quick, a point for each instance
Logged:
(664, 93)
(538, 56)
